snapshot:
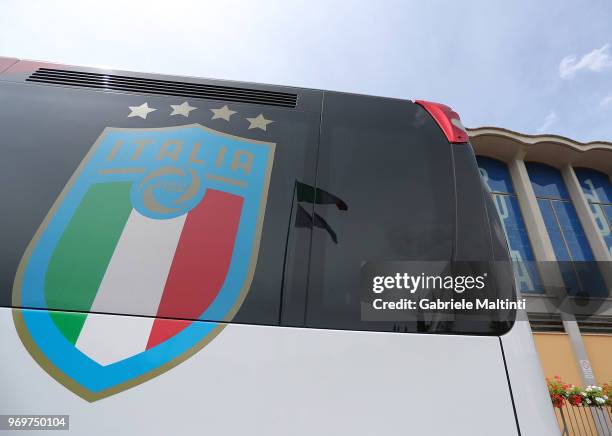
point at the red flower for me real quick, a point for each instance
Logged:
(557, 400)
(575, 400)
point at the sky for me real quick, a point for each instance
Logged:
(531, 66)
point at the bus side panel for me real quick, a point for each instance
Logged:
(526, 377)
(262, 380)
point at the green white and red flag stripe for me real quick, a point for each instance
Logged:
(112, 259)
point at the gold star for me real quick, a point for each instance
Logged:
(141, 111)
(182, 109)
(259, 122)
(224, 113)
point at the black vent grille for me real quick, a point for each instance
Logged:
(162, 87)
(545, 323)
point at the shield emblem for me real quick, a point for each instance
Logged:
(162, 223)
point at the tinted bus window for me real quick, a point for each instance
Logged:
(390, 166)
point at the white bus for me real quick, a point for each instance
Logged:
(183, 256)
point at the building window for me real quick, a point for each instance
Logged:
(568, 238)
(598, 192)
(497, 178)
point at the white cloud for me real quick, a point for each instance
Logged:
(606, 101)
(596, 60)
(550, 119)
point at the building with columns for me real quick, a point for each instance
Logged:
(554, 198)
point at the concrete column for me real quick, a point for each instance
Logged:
(545, 255)
(540, 242)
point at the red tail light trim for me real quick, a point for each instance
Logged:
(448, 120)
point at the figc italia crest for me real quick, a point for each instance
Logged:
(163, 223)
